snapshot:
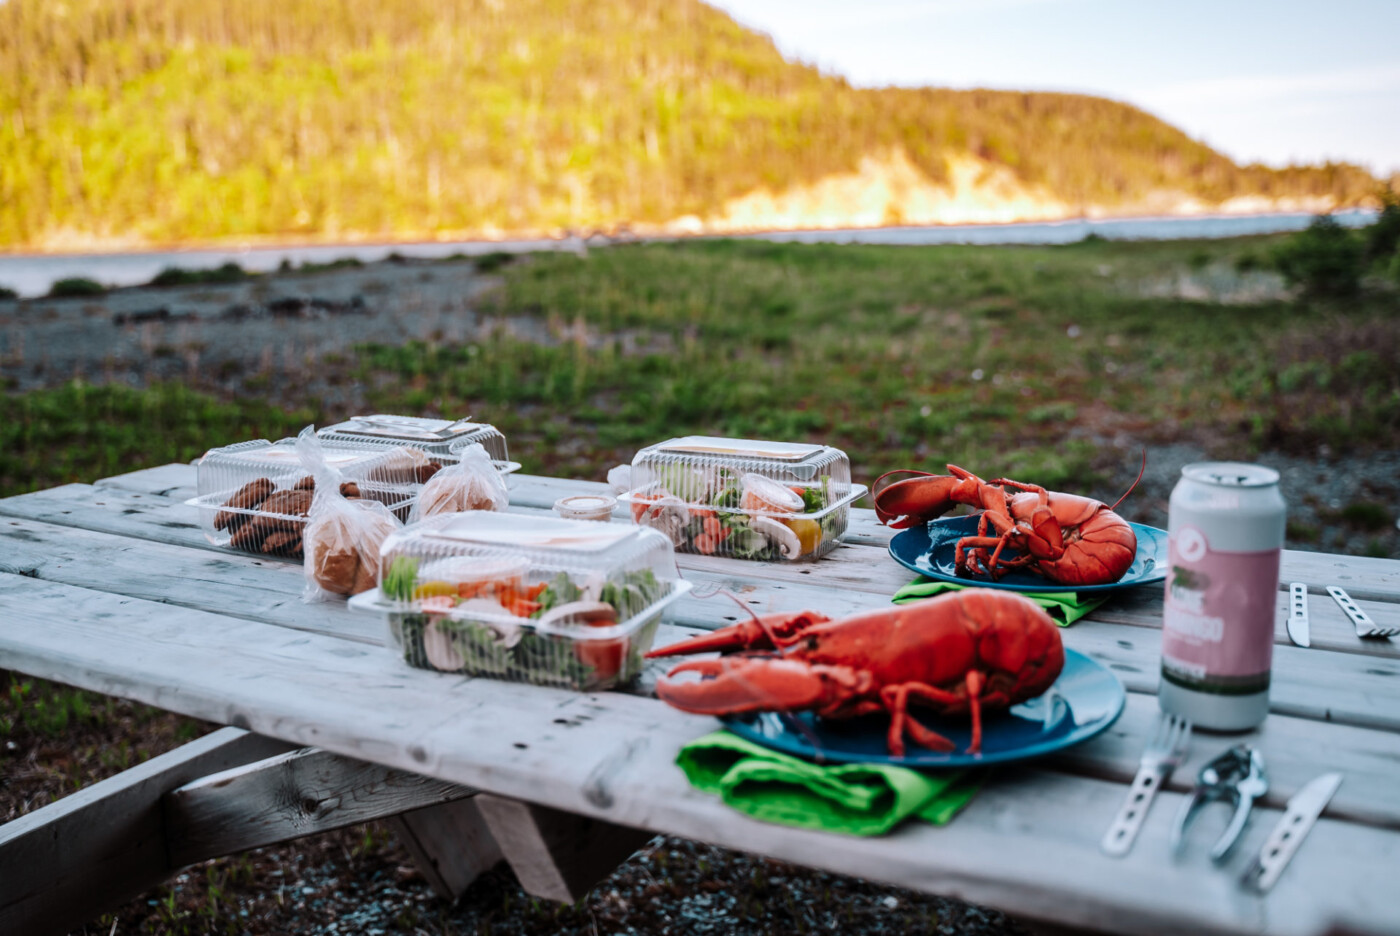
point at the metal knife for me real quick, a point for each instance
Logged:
(1298, 614)
(1303, 809)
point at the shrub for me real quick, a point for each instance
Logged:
(342, 263)
(173, 276)
(76, 286)
(493, 261)
(1325, 259)
(1383, 237)
(1250, 261)
(8, 293)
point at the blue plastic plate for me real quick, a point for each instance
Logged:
(1084, 701)
(929, 550)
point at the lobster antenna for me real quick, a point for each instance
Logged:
(772, 637)
(1135, 482)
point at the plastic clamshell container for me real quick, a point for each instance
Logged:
(567, 603)
(254, 496)
(742, 498)
(441, 439)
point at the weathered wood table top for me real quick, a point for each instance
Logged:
(112, 587)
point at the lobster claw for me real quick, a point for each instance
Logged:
(914, 498)
(750, 684)
(757, 633)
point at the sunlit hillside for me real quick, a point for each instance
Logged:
(139, 121)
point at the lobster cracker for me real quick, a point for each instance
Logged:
(1237, 777)
(964, 653)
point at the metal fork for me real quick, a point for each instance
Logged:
(1165, 752)
(1365, 627)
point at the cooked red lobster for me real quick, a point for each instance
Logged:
(1067, 538)
(968, 651)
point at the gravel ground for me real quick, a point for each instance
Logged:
(281, 335)
(361, 882)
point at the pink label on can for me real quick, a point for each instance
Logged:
(1218, 619)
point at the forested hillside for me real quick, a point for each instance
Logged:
(177, 120)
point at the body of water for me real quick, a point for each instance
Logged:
(34, 274)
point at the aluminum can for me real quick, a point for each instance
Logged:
(1225, 533)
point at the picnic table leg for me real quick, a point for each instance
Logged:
(450, 844)
(554, 854)
(287, 797)
(62, 865)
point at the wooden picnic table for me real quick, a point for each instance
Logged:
(112, 587)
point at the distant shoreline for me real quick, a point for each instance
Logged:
(550, 239)
(32, 275)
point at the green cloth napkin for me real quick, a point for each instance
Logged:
(857, 799)
(1064, 607)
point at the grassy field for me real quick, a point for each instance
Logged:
(1050, 363)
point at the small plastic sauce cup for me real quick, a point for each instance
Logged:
(586, 507)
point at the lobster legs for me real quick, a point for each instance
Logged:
(732, 685)
(897, 699)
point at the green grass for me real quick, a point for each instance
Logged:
(79, 432)
(46, 709)
(1016, 360)
(1023, 361)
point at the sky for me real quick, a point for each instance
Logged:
(1277, 82)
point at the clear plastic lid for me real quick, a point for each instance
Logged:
(744, 498)
(589, 554)
(255, 496)
(232, 466)
(439, 438)
(539, 599)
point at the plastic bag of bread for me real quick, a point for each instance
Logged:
(343, 534)
(471, 484)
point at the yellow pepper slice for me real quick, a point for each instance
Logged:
(434, 590)
(809, 534)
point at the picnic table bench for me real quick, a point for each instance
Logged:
(112, 587)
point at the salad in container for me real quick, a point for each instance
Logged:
(742, 498)
(255, 496)
(440, 439)
(568, 603)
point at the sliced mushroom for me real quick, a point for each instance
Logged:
(438, 648)
(591, 613)
(667, 513)
(782, 534)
